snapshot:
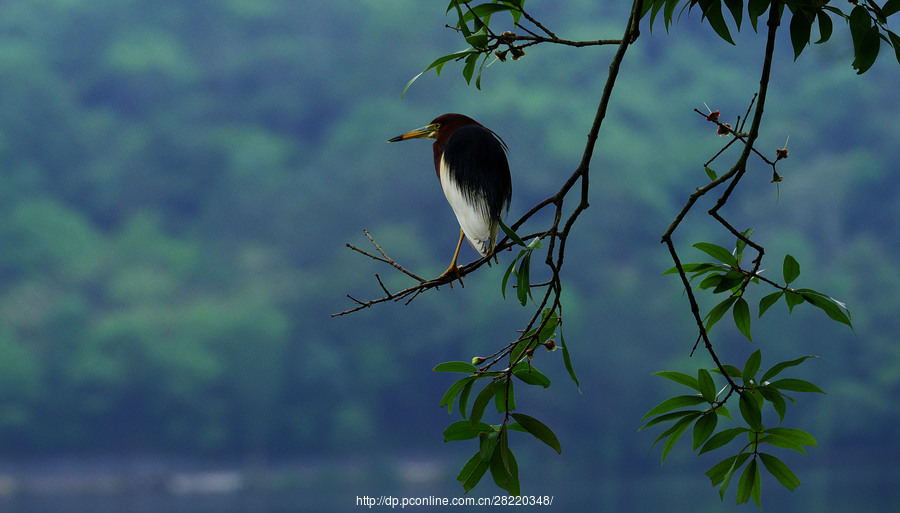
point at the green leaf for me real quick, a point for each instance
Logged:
(512, 235)
(741, 244)
(779, 471)
(741, 313)
(710, 173)
(718, 472)
(879, 15)
(526, 342)
(737, 10)
(461, 18)
(464, 397)
(672, 403)
(749, 484)
(782, 443)
(713, 12)
(510, 270)
(795, 435)
(514, 426)
(721, 438)
(704, 428)
(731, 370)
(480, 69)
(699, 268)
(472, 472)
(726, 478)
(723, 411)
(669, 11)
(718, 311)
(866, 51)
(680, 378)
(890, 7)
(667, 417)
(478, 39)
(729, 281)
(859, 23)
(466, 367)
(751, 366)
(481, 402)
(539, 430)
(766, 302)
(800, 31)
(718, 252)
(549, 320)
(483, 10)
(790, 269)
(505, 397)
(646, 7)
(706, 384)
(713, 280)
(567, 360)
(523, 285)
(895, 42)
(438, 64)
(676, 431)
(505, 470)
(832, 307)
(825, 27)
(469, 69)
(486, 444)
(796, 385)
(750, 411)
(465, 430)
(453, 391)
(775, 397)
(755, 8)
(529, 374)
(792, 299)
(778, 367)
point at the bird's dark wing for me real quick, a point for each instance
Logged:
(477, 163)
(474, 175)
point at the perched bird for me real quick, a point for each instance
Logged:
(470, 161)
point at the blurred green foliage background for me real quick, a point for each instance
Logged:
(179, 179)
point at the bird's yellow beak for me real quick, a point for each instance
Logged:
(425, 132)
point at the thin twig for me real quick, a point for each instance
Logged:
(733, 175)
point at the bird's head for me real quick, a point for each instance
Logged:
(429, 131)
(444, 124)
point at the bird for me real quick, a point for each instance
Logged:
(472, 168)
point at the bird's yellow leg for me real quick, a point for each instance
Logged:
(453, 269)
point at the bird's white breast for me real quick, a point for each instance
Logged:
(471, 212)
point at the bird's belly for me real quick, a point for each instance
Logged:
(472, 213)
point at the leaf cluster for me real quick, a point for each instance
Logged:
(867, 21)
(481, 40)
(725, 274)
(700, 411)
(493, 452)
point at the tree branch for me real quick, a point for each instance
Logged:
(733, 176)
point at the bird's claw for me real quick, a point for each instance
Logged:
(453, 272)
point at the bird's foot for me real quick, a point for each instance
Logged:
(453, 272)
